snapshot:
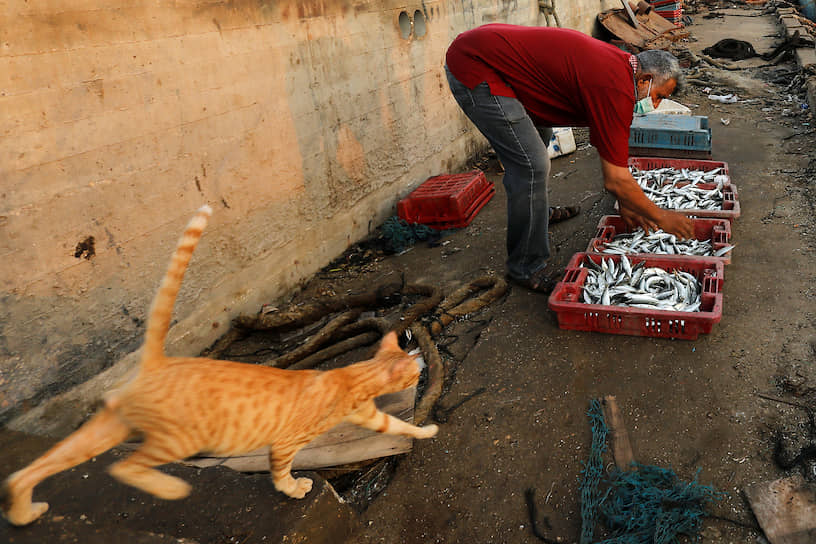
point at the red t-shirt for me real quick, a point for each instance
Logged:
(562, 77)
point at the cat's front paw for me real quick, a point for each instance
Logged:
(301, 487)
(427, 431)
(19, 516)
(173, 490)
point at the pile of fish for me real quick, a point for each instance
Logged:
(661, 243)
(674, 189)
(638, 286)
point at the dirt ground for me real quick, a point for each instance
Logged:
(688, 405)
(512, 414)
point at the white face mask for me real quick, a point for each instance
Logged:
(645, 105)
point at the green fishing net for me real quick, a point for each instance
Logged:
(399, 235)
(646, 505)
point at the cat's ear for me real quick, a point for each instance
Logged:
(389, 342)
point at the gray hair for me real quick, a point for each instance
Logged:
(662, 66)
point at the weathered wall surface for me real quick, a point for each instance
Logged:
(578, 14)
(300, 122)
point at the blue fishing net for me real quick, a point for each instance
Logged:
(647, 505)
(593, 472)
(399, 235)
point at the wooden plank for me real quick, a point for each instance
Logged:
(652, 28)
(785, 509)
(345, 443)
(630, 13)
(621, 447)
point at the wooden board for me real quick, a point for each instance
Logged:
(653, 31)
(621, 446)
(785, 509)
(630, 13)
(343, 444)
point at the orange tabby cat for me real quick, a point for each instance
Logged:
(186, 405)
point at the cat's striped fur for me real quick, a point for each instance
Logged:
(185, 405)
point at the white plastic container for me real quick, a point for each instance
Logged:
(668, 106)
(562, 142)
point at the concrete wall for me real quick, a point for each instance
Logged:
(578, 14)
(301, 123)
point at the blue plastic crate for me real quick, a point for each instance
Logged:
(670, 135)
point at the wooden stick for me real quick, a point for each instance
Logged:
(621, 447)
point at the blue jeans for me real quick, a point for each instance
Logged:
(522, 150)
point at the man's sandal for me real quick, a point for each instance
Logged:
(542, 281)
(562, 213)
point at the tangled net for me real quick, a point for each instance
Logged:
(647, 505)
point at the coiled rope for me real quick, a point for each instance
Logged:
(345, 329)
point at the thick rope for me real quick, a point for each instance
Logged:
(436, 373)
(334, 350)
(345, 331)
(456, 305)
(314, 342)
(309, 313)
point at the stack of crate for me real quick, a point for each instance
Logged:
(670, 9)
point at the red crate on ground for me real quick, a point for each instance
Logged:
(573, 314)
(653, 163)
(718, 231)
(448, 201)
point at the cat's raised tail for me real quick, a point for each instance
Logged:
(158, 321)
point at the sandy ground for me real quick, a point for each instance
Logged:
(518, 387)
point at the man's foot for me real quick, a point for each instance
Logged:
(542, 281)
(562, 213)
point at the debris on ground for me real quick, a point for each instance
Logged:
(652, 31)
(785, 509)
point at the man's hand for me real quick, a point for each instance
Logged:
(635, 220)
(635, 207)
(677, 223)
(672, 222)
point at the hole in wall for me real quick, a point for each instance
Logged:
(86, 248)
(420, 29)
(405, 25)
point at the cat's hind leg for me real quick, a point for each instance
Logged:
(370, 417)
(137, 470)
(97, 435)
(280, 465)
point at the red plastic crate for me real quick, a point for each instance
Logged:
(661, 3)
(673, 16)
(730, 208)
(573, 314)
(653, 163)
(447, 201)
(716, 230)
